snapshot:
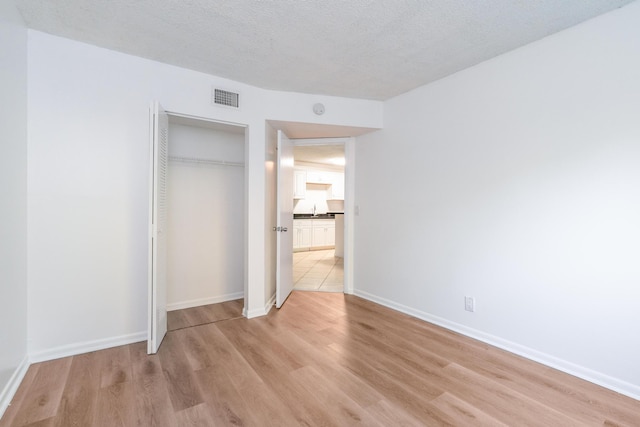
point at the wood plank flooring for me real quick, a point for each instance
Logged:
(324, 359)
(203, 314)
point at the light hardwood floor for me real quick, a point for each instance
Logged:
(203, 314)
(324, 359)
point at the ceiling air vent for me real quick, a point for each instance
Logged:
(224, 97)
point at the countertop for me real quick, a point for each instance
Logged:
(329, 215)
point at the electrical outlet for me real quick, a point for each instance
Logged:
(470, 304)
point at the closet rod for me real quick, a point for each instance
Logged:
(205, 161)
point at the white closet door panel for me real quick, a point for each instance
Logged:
(158, 235)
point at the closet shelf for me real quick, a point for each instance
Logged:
(204, 161)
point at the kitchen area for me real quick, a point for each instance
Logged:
(318, 217)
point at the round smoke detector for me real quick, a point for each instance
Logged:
(318, 109)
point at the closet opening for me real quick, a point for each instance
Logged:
(205, 221)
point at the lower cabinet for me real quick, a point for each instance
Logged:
(324, 233)
(314, 234)
(302, 229)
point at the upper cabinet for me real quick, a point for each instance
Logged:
(336, 191)
(319, 177)
(299, 184)
(332, 180)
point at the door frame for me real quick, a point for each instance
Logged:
(349, 199)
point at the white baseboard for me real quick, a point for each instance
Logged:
(587, 374)
(263, 311)
(269, 305)
(204, 301)
(11, 387)
(85, 347)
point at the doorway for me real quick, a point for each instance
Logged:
(327, 133)
(318, 259)
(346, 204)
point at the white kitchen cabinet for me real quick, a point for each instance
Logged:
(336, 191)
(331, 235)
(324, 233)
(299, 184)
(313, 234)
(318, 177)
(302, 234)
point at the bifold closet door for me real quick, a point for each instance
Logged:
(159, 153)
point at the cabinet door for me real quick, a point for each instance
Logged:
(323, 233)
(336, 191)
(331, 235)
(305, 237)
(299, 184)
(319, 237)
(317, 177)
(296, 237)
(302, 234)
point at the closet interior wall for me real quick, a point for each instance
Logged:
(205, 216)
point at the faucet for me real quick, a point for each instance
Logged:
(314, 209)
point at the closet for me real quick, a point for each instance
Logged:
(205, 213)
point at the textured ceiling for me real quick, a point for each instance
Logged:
(372, 49)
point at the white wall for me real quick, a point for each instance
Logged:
(316, 195)
(88, 183)
(517, 182)
(205, 232)
(13, 201)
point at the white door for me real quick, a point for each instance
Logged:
(159, 124)
(284, 228)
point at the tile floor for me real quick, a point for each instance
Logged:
(318, 271)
